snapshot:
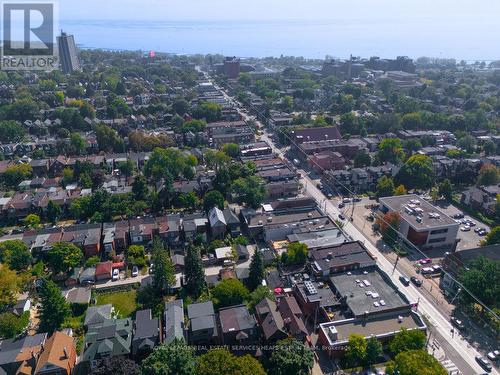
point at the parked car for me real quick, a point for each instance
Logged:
(341, 205)
(457, 323)
(458, 215)
(465, 228)
(346, 200)
(416, 281)
(491, 356)
(483, 363)
(116, 274)
(341, 217)
(425, 261)
(404, 280)
(135, 271)
(152, 268)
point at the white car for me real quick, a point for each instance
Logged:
(116, 274)
(135, 271)
(465, 228)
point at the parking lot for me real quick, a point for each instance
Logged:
(468, 239)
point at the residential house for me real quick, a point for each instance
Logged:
(482, 198)
(202, 324)
(147, 333)
(237, 326)
(217, 221)
(103, 271)
(111, 338)
(174, 321)
(58, 356)
(97, 315)
(19, 356)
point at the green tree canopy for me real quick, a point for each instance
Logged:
(391, 150)
(12, 325)
(291, 357)
(169, 161)
(175, 358)
(229, 292)
(54, 309)
(415, 362)
(32, 221)
(488, 175)
(11, 131)
(373, 351)
(256, 272)
(407, 340)
(385, 187)
(482, 278)
(15, 254)
(250, 190)
(355, 351)
(417, 172)
(213, 199)
(63, 256)
(493, 237)
(164, 275)
(10, 285)
(296, 253)
(193, 271)
(231, 149)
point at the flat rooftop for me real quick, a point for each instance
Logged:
(312, 292)
(338, 332)
(368, 290)
(419, 213)
(264, 218)
(341, 255)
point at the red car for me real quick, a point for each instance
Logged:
(425, 261)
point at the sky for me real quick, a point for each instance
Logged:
(469, 13)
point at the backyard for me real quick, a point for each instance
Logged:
(124, 302)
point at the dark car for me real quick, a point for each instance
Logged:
(341, 205)
(457, 323)
(483, 363)
(416, 281)
(341, 217)
(404, 280)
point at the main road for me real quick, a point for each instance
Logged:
(456, 348)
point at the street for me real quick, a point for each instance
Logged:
(456, 348)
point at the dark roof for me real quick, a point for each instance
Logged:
(196, 310)
(145, 325)
(236, 318)
(174, 320)
(317, 134)
(98, 314)
(242, 250)
(342, 255)
(270, 318)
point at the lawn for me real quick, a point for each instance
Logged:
(124, 302)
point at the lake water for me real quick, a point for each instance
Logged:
(313, 39)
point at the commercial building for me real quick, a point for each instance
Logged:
(421, 223)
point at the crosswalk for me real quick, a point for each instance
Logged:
(450, 367)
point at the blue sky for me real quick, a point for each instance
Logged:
(468, 13)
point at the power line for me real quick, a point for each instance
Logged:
(353, 195)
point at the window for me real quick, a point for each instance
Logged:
(436, 240)
(438, 231)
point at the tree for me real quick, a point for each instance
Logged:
(373, 351)
(355, 351)
(108, 139)
(493, 237)
(222, 362)
(482, 278)
(12, 325)
(193, 272)
(391, 150)
(231, 149)
(10, 285)
(488, 175)
(389, 226)
(11, 131)
(256, 272)
(53, 212)
(63, 256)
(164, 275)
(400, 190)
(229, 292)
(385, 187)
(417, 172)
(415, 362)
(467, 143)
(14, 174)
(296, 253)
(291, 357)
(77, 143)
(213, 199)
(209, 111)
(140, 188)
(126, 168)
(136, 255)
(54, 309)
(15, 254)
(180, 106)
(489, 147)
(175, 358)
(250, 190)
(362, 159)
(188, 200)
(407, 340)
(445, 189)
(258, 295)
(169, 161)
(117, 366)
(32, 221)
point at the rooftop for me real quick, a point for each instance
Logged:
(342, 255)
(368, 290)
(419, 213)
(236, 318)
